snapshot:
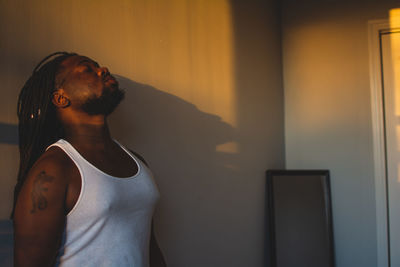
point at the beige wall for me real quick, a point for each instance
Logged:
(204, 105)
(328, 112)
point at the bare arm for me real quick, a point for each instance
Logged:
(156, 256)
(40, 214)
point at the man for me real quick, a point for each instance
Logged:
(81, 198)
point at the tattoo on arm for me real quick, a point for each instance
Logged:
(39, 201)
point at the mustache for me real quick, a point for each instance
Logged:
(107, 77)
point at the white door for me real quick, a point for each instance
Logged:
(390, 51)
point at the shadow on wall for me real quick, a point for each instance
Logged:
(6, 243)
(8, 134)
(180, 144)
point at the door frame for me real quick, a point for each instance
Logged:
(375, 30)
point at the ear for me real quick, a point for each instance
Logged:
(60, 99)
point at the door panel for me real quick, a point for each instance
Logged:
(390, 46)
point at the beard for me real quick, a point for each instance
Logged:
(104, 104)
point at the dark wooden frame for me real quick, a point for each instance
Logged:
(271, 248)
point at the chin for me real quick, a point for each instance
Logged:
(106, 103)
(112, 84)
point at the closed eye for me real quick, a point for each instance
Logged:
(87, 68)
(88, 65)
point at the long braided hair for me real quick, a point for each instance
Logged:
(38, 123)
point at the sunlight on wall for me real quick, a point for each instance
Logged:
(230, 147)
(395, 44)
(394, 16)
(182, 47)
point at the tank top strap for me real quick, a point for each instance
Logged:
(139, 160)
(84, 165)
(70, 151)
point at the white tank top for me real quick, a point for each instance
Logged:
(110, 223)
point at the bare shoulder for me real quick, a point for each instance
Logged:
(55, 163)
(46, 183)
(54, 160)
(39, 217)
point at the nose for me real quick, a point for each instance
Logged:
(103, 71)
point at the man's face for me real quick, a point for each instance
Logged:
(90, 88)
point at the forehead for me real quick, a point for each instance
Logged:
(68, 66)
(76, 60)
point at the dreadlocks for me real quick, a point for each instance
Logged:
(38, 124)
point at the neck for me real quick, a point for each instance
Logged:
(93, 134)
